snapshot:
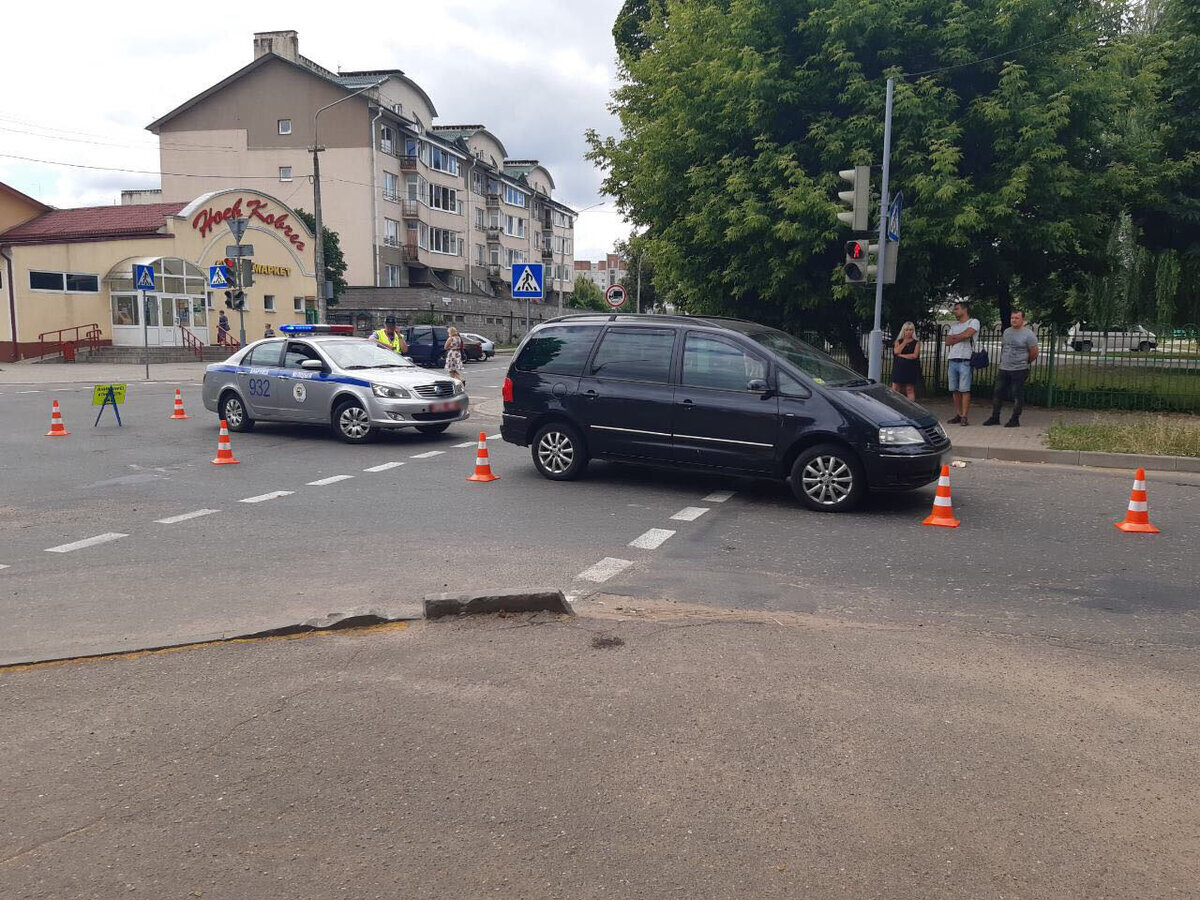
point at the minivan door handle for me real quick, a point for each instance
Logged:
(686, 404)
(591, 395)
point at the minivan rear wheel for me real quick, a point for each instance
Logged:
(828, 478)
(558, 452)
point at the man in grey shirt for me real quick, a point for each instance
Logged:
(1018, 350)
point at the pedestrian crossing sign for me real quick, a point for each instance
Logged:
(143, 277)
(527, 281)
(216, 277)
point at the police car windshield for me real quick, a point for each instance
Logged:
(363, 355)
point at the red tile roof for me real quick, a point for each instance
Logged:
(92, 223)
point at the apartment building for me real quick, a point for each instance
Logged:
(605, 273)
(414, 202)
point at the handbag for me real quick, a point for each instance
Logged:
(979, 358)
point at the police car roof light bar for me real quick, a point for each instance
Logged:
(317, 329)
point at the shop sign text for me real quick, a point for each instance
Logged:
(208, 219)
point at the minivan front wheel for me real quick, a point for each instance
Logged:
(558, 452)
(828, 478)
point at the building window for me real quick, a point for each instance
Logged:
(285, 126)
(443, 241)
(477, 182)
(125, 310)
(422, 235)
(269, 302)
(495, 256)
(208, 300)
(479, 218)
(442, 161)
(391, 232)
(391, 186)
(387, 138)
(513, 197)
(285, 173)
(459, 284)
(64, 281)
(514, 226)
(444, 198)
(415, 187)
(298, 304)
(479, 257)
(391, 276)
(515, 256)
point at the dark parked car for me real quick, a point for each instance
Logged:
(427, 345)
(472, 349)
(716, 394)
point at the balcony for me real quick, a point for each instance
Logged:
(410, 209)
(391, 196)
(391, 240)
(410, 253)
(547, 253)
(493, 201)
(408, 162)
(493, 233)
(494, 270)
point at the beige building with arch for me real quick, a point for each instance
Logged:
(68, 273)
(413, 202)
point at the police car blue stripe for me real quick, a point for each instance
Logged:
(306, 376)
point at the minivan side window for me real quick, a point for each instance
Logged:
(635, 354)
(790, 386)
(710, 362)
(558, 349)
(265, 354)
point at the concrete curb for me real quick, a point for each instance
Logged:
(1084, 458)
(484, 602)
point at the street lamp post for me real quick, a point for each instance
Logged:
(319, 242)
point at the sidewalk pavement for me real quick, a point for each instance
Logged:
(1028, 443)
(639, 749)
(98, 373)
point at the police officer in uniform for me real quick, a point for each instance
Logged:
(389, 337)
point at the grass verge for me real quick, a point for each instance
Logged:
(1158, 437)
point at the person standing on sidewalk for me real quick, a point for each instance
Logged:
(961, 341)
(906, 370)
(1018, 350)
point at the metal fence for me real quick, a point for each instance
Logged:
(1081, 369)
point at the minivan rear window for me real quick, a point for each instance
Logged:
(558, 349)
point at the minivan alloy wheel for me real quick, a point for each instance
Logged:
(556, 452)
(827, 480)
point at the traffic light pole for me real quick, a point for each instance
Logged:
(875, 349)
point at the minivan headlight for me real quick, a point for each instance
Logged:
(390, 393)
(898, 435)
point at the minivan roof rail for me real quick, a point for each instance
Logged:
(658, 317)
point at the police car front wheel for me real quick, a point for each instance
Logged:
(352, 423)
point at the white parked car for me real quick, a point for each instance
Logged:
(1084, 338)
(489, 347)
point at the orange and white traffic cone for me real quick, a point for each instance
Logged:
(224, 448)
(179, 413)
(943, 509)
(483, 468)
(1137, 517)
(57, 429)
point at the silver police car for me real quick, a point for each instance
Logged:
(322, 375)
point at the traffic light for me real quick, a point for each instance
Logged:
(247, 274)
(235, 299)
(858, 198)
(857, 254)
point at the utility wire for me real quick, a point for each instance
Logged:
(1013, 50)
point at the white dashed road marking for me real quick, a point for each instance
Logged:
(332, 479)
(87, 542)
(466, 444)
(3, 567)
(718, 497)
(431, 453)
(384, 467)
(493, 437)
(28, 392)
(171, 520)
(690, 513)
(604, 570)
(652, 539)
(271, 496)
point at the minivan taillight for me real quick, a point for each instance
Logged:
(507, 392)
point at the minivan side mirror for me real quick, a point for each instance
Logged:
(757, 385)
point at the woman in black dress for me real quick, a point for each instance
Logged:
(906, 370)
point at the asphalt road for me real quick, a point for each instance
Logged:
(1037, 553)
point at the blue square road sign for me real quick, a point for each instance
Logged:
(143, 277)
(527, 281)
(217, 277)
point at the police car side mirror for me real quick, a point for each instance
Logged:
(314, 364)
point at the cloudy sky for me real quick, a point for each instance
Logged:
(536, 72)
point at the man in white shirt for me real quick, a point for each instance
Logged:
(961, 341)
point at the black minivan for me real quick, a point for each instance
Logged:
(427, 345)
(716, 394)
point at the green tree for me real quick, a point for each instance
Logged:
(736, 115)
(639, 265)
(586, 295)
(335, 261)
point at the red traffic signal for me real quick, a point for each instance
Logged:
(228, 263)
(856, 250)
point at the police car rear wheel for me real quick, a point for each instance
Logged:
(352, 424)
(233, 411)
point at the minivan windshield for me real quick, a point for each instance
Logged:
(363, 355)
(808, 359)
